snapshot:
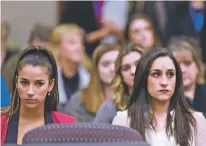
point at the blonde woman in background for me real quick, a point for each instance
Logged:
(187, 53)
(86, 102)
(67, 45)
(121, 85)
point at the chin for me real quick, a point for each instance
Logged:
(163, 98)
(30, 106)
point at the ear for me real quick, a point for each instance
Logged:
(51, 85)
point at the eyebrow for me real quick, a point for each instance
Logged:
(23, 79)
(41, 80)
(160, 70)
(136, 61)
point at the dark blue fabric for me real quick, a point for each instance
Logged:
(197, 18)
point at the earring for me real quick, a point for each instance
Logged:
(49, 93)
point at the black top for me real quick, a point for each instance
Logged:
(12, 131)
(71, 85)
(200, 99)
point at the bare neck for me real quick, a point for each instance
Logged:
(68, 67)
(130, 90)
(107, 91)
(160, 108)
(29, 114)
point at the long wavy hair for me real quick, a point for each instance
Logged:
(119, 88)
(141, 102)
(93, 96)
(36, 56)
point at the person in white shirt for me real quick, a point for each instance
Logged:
(158, 108)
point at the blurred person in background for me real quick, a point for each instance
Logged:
(122, 83)
(161, 14)
(86, 102)
(191, 21)
(103, 21)
(35, 96)
(187, 52)
(39, 36)
(67, 45)
(6, 52)
(140, 31)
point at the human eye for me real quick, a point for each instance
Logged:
(24, 82)
(39, 83)
(156, 74)
(126, 67)
(187, 62)
(170, 74)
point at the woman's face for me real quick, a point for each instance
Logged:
(106, 66)
(188, 66)
(128, 67)
(162, 79)
(33, 85)
(141, 33)
(71, 47)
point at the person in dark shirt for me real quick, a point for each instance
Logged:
(67, 45)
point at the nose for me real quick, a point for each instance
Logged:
(183, 68)
(112, 68)
(133, 68)
(164, 81)
(30, 91)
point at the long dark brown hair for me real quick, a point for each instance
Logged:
(141, 101)
(36, 56)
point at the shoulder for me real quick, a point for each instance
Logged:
(121, 119)
(74, 104)
(83, 70)
(199, 117)
(201, 88)
(200, 133)
(4, 119)
(200, 121)
(108, 103)
(59, 117)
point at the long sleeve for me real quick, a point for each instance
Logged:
(106, 112)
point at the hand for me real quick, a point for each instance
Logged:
(110, 25)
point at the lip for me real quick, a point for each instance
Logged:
(31, 100)
(164, 91)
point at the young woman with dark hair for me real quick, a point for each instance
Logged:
(158, 108)
(35, 96)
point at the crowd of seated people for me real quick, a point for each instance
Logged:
(124, 71)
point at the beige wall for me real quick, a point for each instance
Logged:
(22, 15)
